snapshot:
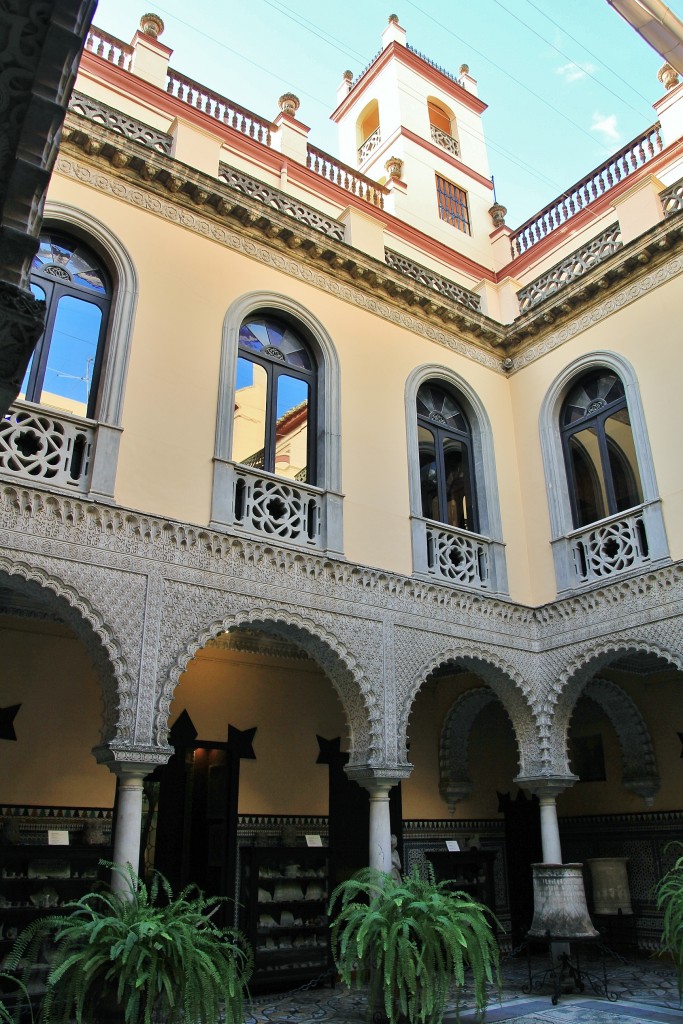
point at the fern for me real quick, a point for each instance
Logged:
(415, 938)
(154, 955)
(669, 898)
(6, 1015)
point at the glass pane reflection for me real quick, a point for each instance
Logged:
(589, 482)
(622, 460)
(39, 294)
(428, 473)
(250, 414)
(291, 428)
(455, 469)
(71, 359)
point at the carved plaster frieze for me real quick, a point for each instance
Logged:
(176, 212)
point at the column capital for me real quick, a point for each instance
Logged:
(546, 787)
(132, 761)
(377, 780)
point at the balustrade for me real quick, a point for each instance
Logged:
(109, 48)
(440, 284)
(370, 145)
(44, 446)
(672, 198)
(569, 269)
(619, 166)
(345, 177)
(218, 107)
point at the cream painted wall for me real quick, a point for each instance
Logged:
(290, 702)
(187, 282)
(46, 669)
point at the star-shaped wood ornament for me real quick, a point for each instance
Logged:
(7, 716)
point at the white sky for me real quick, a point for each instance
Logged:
(567, 81)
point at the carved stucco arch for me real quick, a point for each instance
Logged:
(639, 764)
(360, 703)
(455, 782)
(89, 626)
(558, 705)
(508, 686)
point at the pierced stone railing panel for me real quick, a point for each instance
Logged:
(100, 113)
(218, 107)
(272, 197)
(370, 145)
(441, 285)
(46, 447)
(610, 547)
(446, 141)
(345, 177)
(457, 557)
(281, 509)
(570, 268)
(625, 162)
(109, 48)
(672, 198)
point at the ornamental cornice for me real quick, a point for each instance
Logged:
(32, 520)
(131, 172)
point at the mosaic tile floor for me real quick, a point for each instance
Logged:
(647, 993)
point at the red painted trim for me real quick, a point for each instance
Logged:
(445, 155)
(411, 60)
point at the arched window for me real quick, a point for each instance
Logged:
(439, 117)
(275, 400)
(367, 130)
(65, 367)
(599, 450)
(605, 511)
(445, 449)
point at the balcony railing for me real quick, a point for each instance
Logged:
(610, 547)
(441, 285)
(458, 557)
(619, 166)
(45, 446)
(672, 198)
(569, 269)
(446, 141)
(370, 145)
(283, 510)
(218, 107)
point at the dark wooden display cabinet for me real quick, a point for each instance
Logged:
(469, 871)
(283, 912)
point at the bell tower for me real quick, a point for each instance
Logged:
(413, 125)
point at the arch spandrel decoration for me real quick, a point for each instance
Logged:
(88, 624)
(329, 639)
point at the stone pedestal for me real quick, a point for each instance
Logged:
(610, 885)
(560, 909)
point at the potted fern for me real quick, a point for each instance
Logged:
(669, 899)
(139, 957)
(413, 938)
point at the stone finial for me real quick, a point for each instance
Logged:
(348, 76)
(394, 167)
(393, 19)
(151, 25)
(668, 76)
(464, 69)
(289, 103)
(497, 213)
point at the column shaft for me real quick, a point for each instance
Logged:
(128, 826)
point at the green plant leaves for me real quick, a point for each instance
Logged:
(416, 937)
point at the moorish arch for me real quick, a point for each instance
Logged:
(455, 782)
(639, 764)
(558, 707)
(89, 626)
(507, 685)
(361, 706)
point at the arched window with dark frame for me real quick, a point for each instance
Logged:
(445, 449)
(65, 367)
(599, 450)
(275, 400)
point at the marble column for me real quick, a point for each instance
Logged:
(128, 825)
(378, 782)
(550, 830)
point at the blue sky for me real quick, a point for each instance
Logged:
(567, 83)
